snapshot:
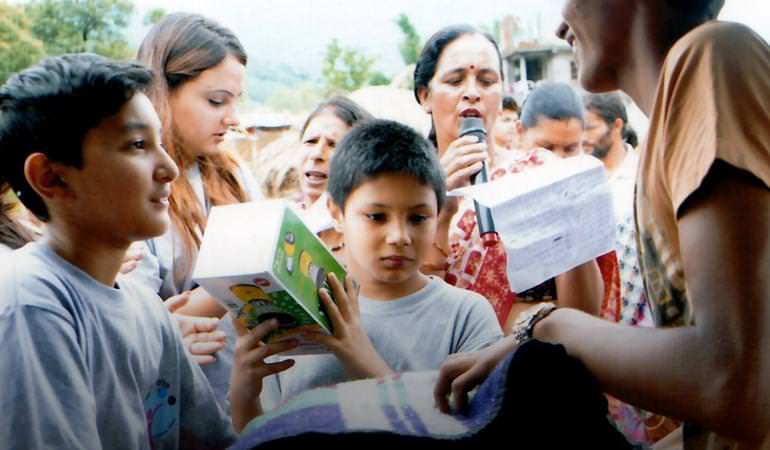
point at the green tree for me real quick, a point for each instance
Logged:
(153, 16)
(410, 45)
(67, 26)
(345, 68)
(18, 48)
(379, 79)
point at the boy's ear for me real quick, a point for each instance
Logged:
(45, 177)
(336, 213)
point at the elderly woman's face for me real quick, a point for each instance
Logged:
(319, 141)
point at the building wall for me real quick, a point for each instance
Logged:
(560, 68)
(555, 67)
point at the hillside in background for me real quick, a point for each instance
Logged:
(265, 79)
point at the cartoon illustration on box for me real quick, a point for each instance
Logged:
(301, 264)
(289, 245)
(258, 307)
(316, 274)
(262, 282)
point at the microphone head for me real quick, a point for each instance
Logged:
(474, 126)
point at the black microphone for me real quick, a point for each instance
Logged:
(473, 126)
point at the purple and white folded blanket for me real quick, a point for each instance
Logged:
(538, 395)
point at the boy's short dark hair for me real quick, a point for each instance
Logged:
(376, 147)
(552, 100)
(49, 108)
(509, 104)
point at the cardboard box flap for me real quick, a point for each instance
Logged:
(238, 239)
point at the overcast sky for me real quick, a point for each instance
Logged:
(296, 32)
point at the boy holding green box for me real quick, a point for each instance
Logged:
(386, 189)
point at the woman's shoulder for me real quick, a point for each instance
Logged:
(716, 31)
(718, 43)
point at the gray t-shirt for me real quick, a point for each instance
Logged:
(416, 332)
(89, 366)
(168, 270)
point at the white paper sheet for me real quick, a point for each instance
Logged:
(550, 218)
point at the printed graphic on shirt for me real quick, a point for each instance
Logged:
(669, 303)
(161, 410)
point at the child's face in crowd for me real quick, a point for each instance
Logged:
(320, 139)
(564, 138)
(389, 224)
(505, 129)
(467, 82)
(121, 193)
(204, 108)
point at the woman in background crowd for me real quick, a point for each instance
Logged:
(329, 122)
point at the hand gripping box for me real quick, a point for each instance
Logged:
(262, 262)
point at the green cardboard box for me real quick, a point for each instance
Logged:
(262, 262)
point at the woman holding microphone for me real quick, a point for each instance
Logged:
(459, 75)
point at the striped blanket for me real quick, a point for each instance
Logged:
(399, 410)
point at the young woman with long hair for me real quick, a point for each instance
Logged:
(200, 67)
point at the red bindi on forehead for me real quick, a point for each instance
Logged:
(472, 67)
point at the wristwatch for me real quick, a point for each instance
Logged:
(525, 323)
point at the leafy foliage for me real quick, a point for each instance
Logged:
(345, 69)
(18, 47)
(379, 79)
(70, 26)
(410, 46)
(153, 16)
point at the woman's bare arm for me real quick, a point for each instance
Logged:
(716, 372)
